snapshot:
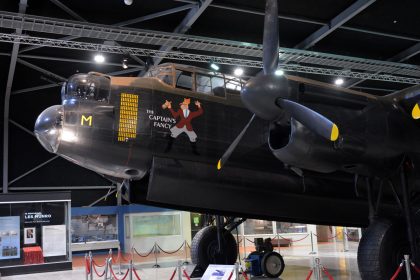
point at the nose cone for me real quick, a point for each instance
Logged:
(48, 127)
(259, 95)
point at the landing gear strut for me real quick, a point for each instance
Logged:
(387, 240)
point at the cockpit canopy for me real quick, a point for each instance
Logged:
(91, 86)
(196, 79)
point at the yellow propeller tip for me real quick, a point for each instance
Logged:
(416, 112)
(219, 165)
(334, 133)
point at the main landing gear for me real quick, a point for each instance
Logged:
(215, 244)
(388, 239)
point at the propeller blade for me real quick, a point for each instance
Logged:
(222, 161)
(416, 111)
(271, 37)
(311, 119)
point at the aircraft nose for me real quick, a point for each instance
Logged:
(48, 127)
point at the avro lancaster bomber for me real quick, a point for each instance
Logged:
(308, 151)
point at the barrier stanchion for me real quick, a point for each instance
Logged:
(244, 242)
(108, 263)
(278, 243)
(87, 266)
(186, 253)
(155, 251)
(130, 274)
(119, 261)
(345, 240)
(317, 269)
(91, 265)
(312, 244)
(237, 271)
(407, 266)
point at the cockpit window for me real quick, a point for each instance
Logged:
(88, 87)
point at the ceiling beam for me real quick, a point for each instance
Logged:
(12, 67)
(32, 170)
(406, 54)
(400, 57)
(155, 15)
(307, 20)
(42, 70)
(68, 10)
(335, 23)
(186, 24)
(123, 24)
(391, 70)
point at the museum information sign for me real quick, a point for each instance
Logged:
(54, 240)
(9, 237)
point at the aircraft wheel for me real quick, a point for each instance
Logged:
(272, 264)
(204, 248)
(381, 249)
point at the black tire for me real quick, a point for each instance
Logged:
(204, 248)
(272, 264)
(381, 249)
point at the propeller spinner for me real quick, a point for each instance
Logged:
(267, 94)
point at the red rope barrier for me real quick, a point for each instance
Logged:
(173, 275)
(171, 252)
(230, 275)
(115, 277)
(291, 240)
(135, 273)
(416, 269)
(124, 259)
(309, 274)
(95, 264)
(245, 275)
(186, 274)
(397, 271)
(94, 269)
(327, 273)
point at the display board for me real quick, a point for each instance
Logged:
(9, 237)
(219, 272)
(54, 240)
(93, 228)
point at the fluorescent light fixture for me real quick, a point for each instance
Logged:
(238, 72)
(214, 67)
(279, 72)
(99, 58)
(339, 81)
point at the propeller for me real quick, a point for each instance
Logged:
(268, 96)
(232, 146)
(416, 111)
(311, 119)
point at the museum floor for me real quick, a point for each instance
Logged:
(341, 265)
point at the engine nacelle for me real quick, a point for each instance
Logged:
(297, 146)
